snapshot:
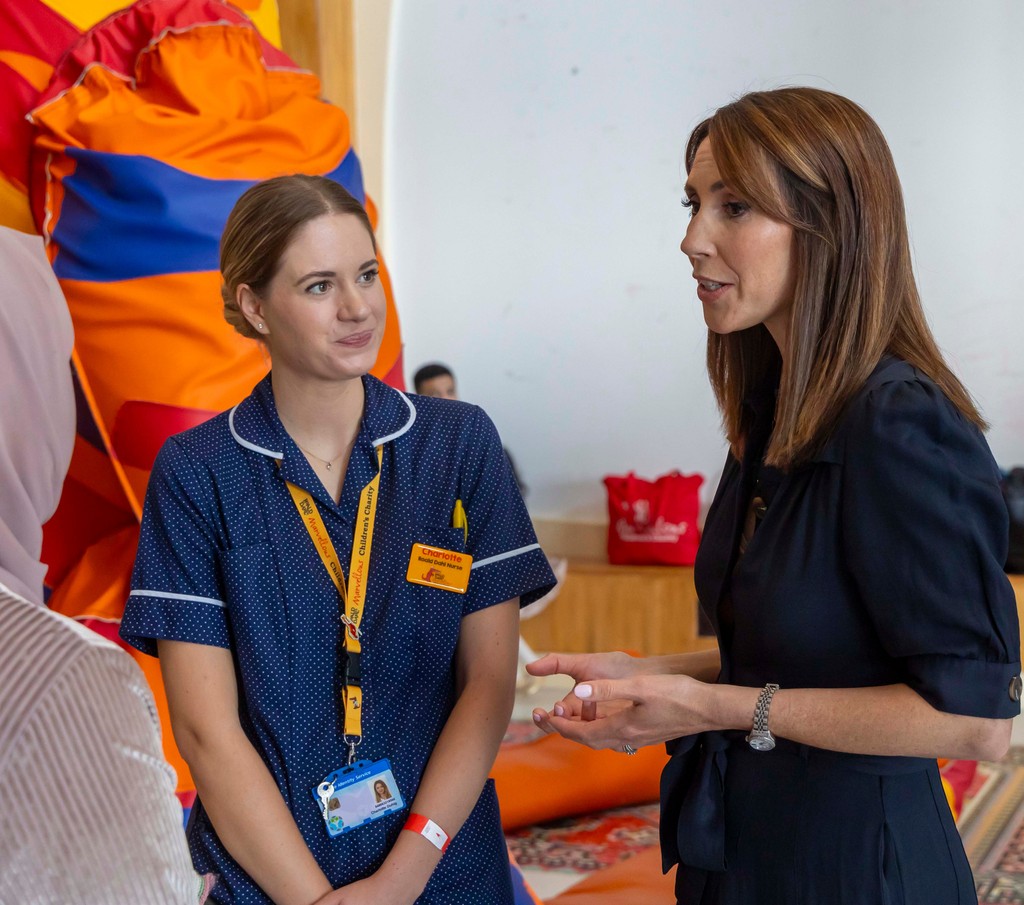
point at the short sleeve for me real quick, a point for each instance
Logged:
(507, 560)
(924, 534)
(176, 591)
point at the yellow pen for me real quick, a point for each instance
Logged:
(459, 519)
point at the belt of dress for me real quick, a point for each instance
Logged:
(693, 791)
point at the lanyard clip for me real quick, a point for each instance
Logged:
(352, 750)
(353, 670)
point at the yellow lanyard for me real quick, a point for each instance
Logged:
(353, 597)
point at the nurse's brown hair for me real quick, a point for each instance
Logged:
(262, 225)
(818, 162)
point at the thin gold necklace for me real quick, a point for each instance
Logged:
(327, 463)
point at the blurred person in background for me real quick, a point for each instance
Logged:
(436, 379)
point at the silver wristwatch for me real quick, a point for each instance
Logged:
(760, 739)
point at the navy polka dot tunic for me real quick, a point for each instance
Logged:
(224, 559)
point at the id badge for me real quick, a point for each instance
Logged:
(353, 796)
(439, 568)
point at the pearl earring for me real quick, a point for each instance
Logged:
(259, 326)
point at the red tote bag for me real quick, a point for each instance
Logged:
(653, 522)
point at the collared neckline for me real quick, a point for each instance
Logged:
(255, 424)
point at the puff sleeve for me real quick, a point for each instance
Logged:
(924, 534)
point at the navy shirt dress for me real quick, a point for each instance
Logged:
(878, 562)
(224, 559)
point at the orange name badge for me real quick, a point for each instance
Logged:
(436, 567)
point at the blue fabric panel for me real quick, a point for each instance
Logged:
(127, 216)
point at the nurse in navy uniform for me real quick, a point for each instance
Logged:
(851, 562)
(331, 574)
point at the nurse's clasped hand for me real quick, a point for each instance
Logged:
(638, 702)
(372, 890)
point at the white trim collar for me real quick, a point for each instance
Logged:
(380, 441)
(243, 442)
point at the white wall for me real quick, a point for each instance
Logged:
(533, 176)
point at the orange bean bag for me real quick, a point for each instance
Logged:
(551, 777)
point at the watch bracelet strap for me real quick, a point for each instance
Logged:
(764, 703)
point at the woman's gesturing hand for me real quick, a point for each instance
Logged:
(632, 708)
(611, 665)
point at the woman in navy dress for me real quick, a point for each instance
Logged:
(270, 692)
(851, 559)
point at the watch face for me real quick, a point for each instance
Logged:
(761, 742)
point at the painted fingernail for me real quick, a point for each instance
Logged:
(537, 717)
(583, 691)
(559, 710)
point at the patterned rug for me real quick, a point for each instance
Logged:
(992, 827)
(590, 842)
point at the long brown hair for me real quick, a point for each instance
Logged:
(818, 162)
(261, 226)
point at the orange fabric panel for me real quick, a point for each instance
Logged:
(254, 126)
(390, 352)
(15, 212)
(33, 70)
(552, 777)
(183, 354)
(135, 342)
(129, 340)
(98, 585)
